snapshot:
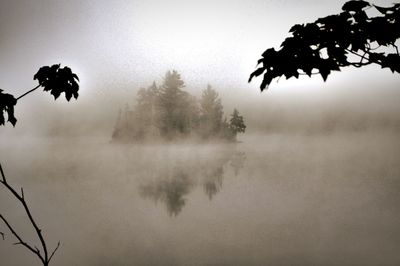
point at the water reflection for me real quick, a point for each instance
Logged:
(172, 186)
(212, 182)
(171, 191)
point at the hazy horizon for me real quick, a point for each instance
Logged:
(312, 181)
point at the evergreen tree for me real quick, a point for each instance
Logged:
(211, 113)
(146, 112)
(236, 123)
(174, 103)
(169, 111)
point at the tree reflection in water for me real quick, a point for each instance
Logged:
(171, 191)
(171, 187)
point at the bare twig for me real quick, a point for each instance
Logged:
(2, 235)
(26, 93)
(21, 242)
(54, 251)
(21, 198)
(397, 49)
(363, 57)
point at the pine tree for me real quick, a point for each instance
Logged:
(146, 112)
(211, 113)
(173, 103)
(236, 123)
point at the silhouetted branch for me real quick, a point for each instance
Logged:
(21, 198)
(2, 235)
(363, 57)
(352, 31)
(26, 93)
(54, 79)
(361, 63)
(21, 242)
(397, 49)
(54, 251)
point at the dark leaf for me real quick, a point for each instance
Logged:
(384, 10)
(7, 103)
(392, 61)
(326, 44)
(256, 73)
(296, 28)
(355, 5)
(266, 81)
(58, 80)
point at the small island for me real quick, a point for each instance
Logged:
(168, 112)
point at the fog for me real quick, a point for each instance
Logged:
(314, 179)
(281, 199)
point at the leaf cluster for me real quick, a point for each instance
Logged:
(55, 79)
(58, 80)
(7, 103)
(324, 45)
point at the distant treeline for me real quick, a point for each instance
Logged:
(168, 112)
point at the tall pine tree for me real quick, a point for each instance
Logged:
(173, 103)
(211, 113)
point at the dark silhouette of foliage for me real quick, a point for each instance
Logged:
(350, 38)
(58, 80)
(7, 103)
(54, 79)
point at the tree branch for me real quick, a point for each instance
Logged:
(54, 251)
(397, 49)
(363, 57)
(21, 198)
(21, 242)
(26, 93)
(354, 53)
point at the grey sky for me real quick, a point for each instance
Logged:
(120, 44)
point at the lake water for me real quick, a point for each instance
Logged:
(268, 200)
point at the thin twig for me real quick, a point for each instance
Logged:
(26, 93)
(360, 64)
(395, 47)
(2, 235)
(363, 57)
(54, 251)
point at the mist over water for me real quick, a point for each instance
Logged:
(314, 180)
(275, 199)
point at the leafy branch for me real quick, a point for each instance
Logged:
(55, 79)
(325, 44)
(44, 257)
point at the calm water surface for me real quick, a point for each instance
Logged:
(269, 200)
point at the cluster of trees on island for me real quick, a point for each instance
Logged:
(169, 112)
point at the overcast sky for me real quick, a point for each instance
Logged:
(117, 45)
